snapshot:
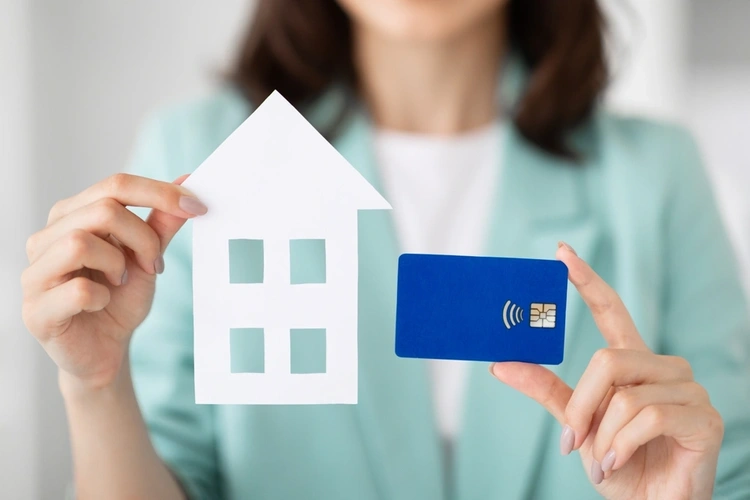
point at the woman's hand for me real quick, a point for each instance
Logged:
(92, 271)
(644, 428)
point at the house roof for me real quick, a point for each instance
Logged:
(276, 159)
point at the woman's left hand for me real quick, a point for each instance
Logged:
(644, 428)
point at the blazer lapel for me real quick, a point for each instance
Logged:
(541, 200)
(394, 413)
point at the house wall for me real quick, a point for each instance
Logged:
(276, 305)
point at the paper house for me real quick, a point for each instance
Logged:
(276, 182)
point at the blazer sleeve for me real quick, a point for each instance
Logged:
(706, 315)
(161, 351)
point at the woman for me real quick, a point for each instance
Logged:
(479, 121)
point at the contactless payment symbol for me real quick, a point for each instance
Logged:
(543, 315)
(512, 315)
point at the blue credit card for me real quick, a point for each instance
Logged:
(481, 308)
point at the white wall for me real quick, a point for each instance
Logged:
(718, 113)
(718, 108)
(689, 61)
(649, 56)
(98, 69)
(18, 407)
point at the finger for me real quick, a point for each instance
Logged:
(77, 250)
(608, 310)
(165, 224)
(103, 218)
(51, 312)
(135, 191)
(628, 402)
(697, 428)
(617, 368)
(536, 382)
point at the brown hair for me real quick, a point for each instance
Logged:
(301, 47)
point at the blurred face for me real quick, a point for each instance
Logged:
(420, 20)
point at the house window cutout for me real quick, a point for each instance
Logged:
(247, 350)
(308, 350)
(307, 261)
(246, 261)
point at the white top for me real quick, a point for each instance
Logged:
(441, 189)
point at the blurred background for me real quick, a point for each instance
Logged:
(78, 76)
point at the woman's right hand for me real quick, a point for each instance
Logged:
(93, 268)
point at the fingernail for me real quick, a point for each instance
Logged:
(124, 278)
(608, 461)
(567, 440)
(159, 265)
(563, 244)
(191, 205)
(597, 474)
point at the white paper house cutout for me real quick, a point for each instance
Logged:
(277, 179)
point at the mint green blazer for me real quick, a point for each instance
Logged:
(640, 210)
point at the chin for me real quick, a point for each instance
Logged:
(421, 20)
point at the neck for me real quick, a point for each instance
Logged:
(446, 87)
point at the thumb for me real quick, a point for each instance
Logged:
(538, 383)
(166, 225)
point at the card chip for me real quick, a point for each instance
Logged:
(542, 315)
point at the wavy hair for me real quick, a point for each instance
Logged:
(301, 47)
